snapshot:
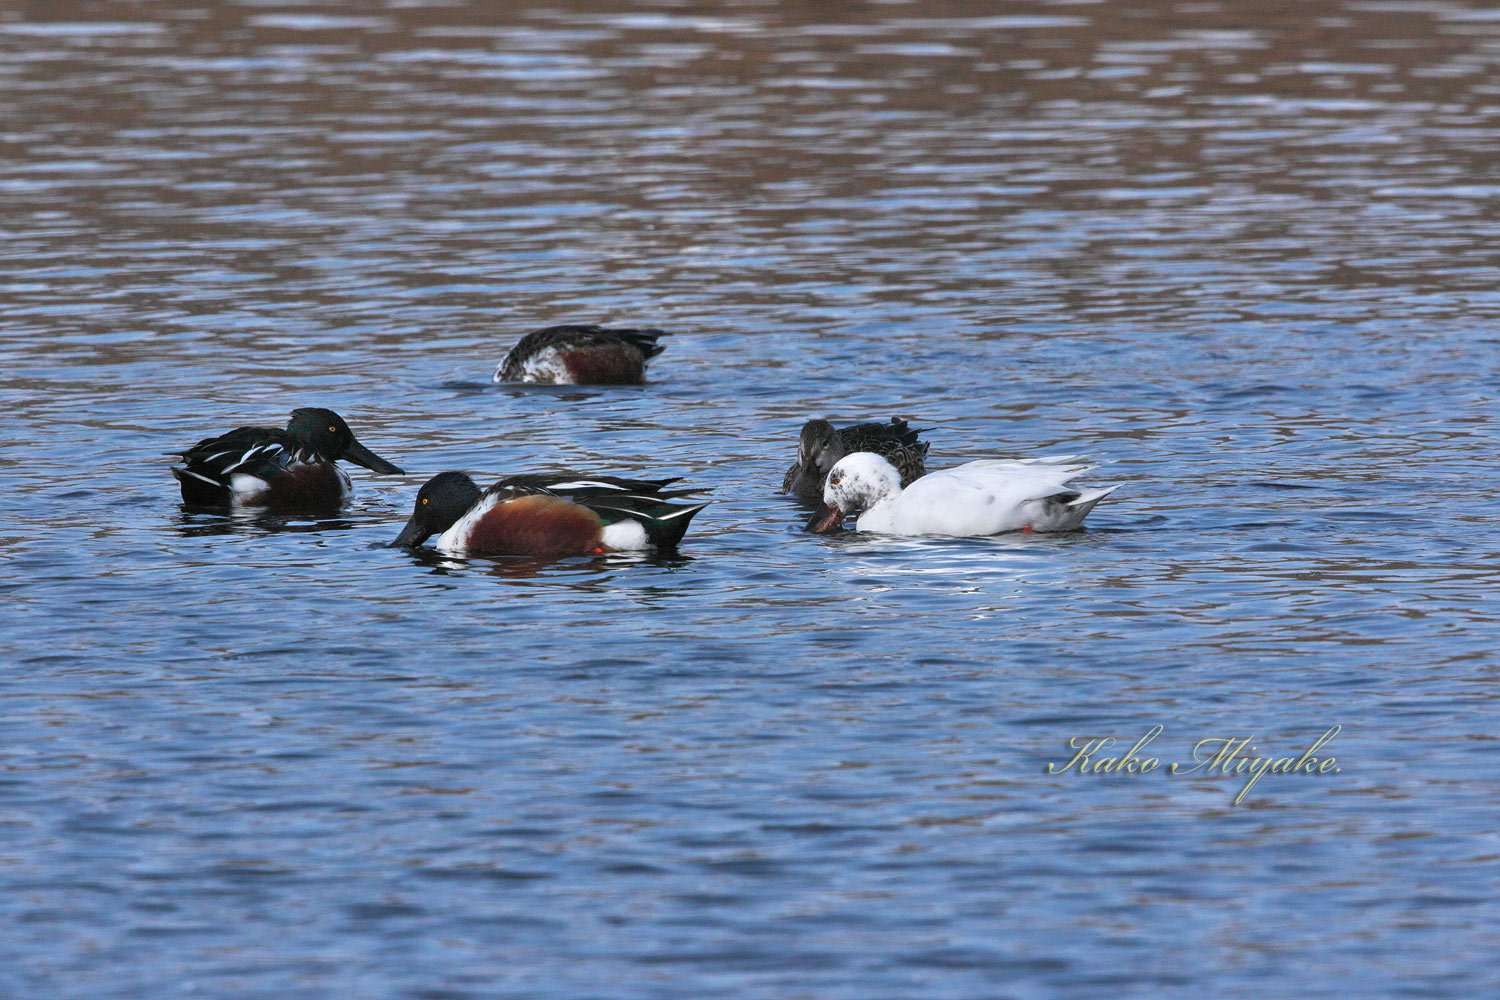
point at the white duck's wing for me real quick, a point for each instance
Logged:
(984, 498)
(1059, 468)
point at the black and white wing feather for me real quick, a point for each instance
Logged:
(579, 486)
(208, 469)
(647, 502)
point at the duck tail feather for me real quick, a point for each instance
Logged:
(1085, 501)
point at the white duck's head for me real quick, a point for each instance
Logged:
(856, 482)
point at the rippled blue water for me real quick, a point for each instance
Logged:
(1244, 257)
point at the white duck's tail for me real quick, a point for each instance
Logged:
(1056, 512)
(1080, 508)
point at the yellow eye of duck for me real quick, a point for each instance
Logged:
(424, 501)
(333, 430)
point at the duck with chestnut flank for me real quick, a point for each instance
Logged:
(980, 498)
(821, 446)
(271, 467)
(548, 515)
(581, 355)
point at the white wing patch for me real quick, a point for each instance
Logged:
(247, 456)
(584, 484)
(684, 511)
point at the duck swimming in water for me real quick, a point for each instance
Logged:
(980, 498)
(821, 446)
(547, 515)
(271, 467)
(581, 355)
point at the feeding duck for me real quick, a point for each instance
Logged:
(271, 467)
(980, 498)
(821, 446)
(547, 515)
(581, 355)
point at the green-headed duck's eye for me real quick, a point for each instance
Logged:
(333, 430)
(424, 501)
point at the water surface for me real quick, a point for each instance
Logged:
(1244, 256)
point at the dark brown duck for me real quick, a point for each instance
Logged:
(822, 446)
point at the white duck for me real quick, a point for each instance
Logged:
(980, 498)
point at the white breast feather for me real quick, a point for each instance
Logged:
(546, 365)
(452, 542)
